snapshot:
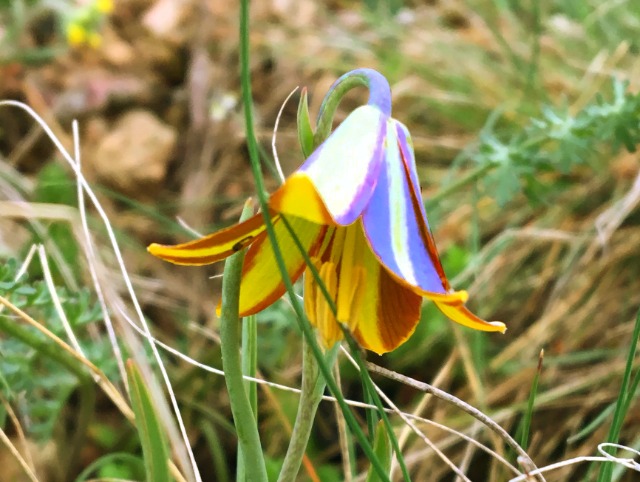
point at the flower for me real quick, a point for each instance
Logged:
(82, 27)
(104, 6)
(356, 208)
(76, 34)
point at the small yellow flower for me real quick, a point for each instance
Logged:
(76, 34)
(104, 6)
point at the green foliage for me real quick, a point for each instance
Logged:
(17, 15)
(55, 185)
(26, 20)
(382, 448)
(28, 376)
(556, 143)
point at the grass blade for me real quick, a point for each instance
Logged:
(152, 436)
(528, 415)
(249, 360)
(382, 448)
(623, 403)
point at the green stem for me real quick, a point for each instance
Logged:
(303, 323)
(310, 396)
(249, 448)
(379, 95)
(326, 371)
(373, 395)
(249, 368)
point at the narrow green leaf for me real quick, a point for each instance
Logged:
(627, 390)
(594, 425)
(382, 449)
(250, 359)
(124, 462)
(152, 436)
(372, 415)
(305, 131)
(526, 421)
(251, 466)
(216, 450)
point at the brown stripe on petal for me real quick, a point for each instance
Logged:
(212, 247)
(398, 311)
(186, 261)
(425, 233)
(229, 234)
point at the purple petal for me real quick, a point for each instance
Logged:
(395, 223)
(344, 169)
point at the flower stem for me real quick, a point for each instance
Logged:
(303, 323)
(311, 391)
(249, 448)
(379, 95)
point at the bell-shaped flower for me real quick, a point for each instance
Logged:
(356, 208)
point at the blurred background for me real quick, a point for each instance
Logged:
(524, 118)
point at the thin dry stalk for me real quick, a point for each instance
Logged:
(26, 452)
(16, 455)
(458, 403)
(408, 422)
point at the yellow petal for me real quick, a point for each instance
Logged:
(459, 313)
(351, 275)
(298, 197)
(325, 320)
(310, 293)
(213, 247)
(261, 283)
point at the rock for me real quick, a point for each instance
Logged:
(166, 19)
(134, 156)
(116, 51)
(97, 89)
